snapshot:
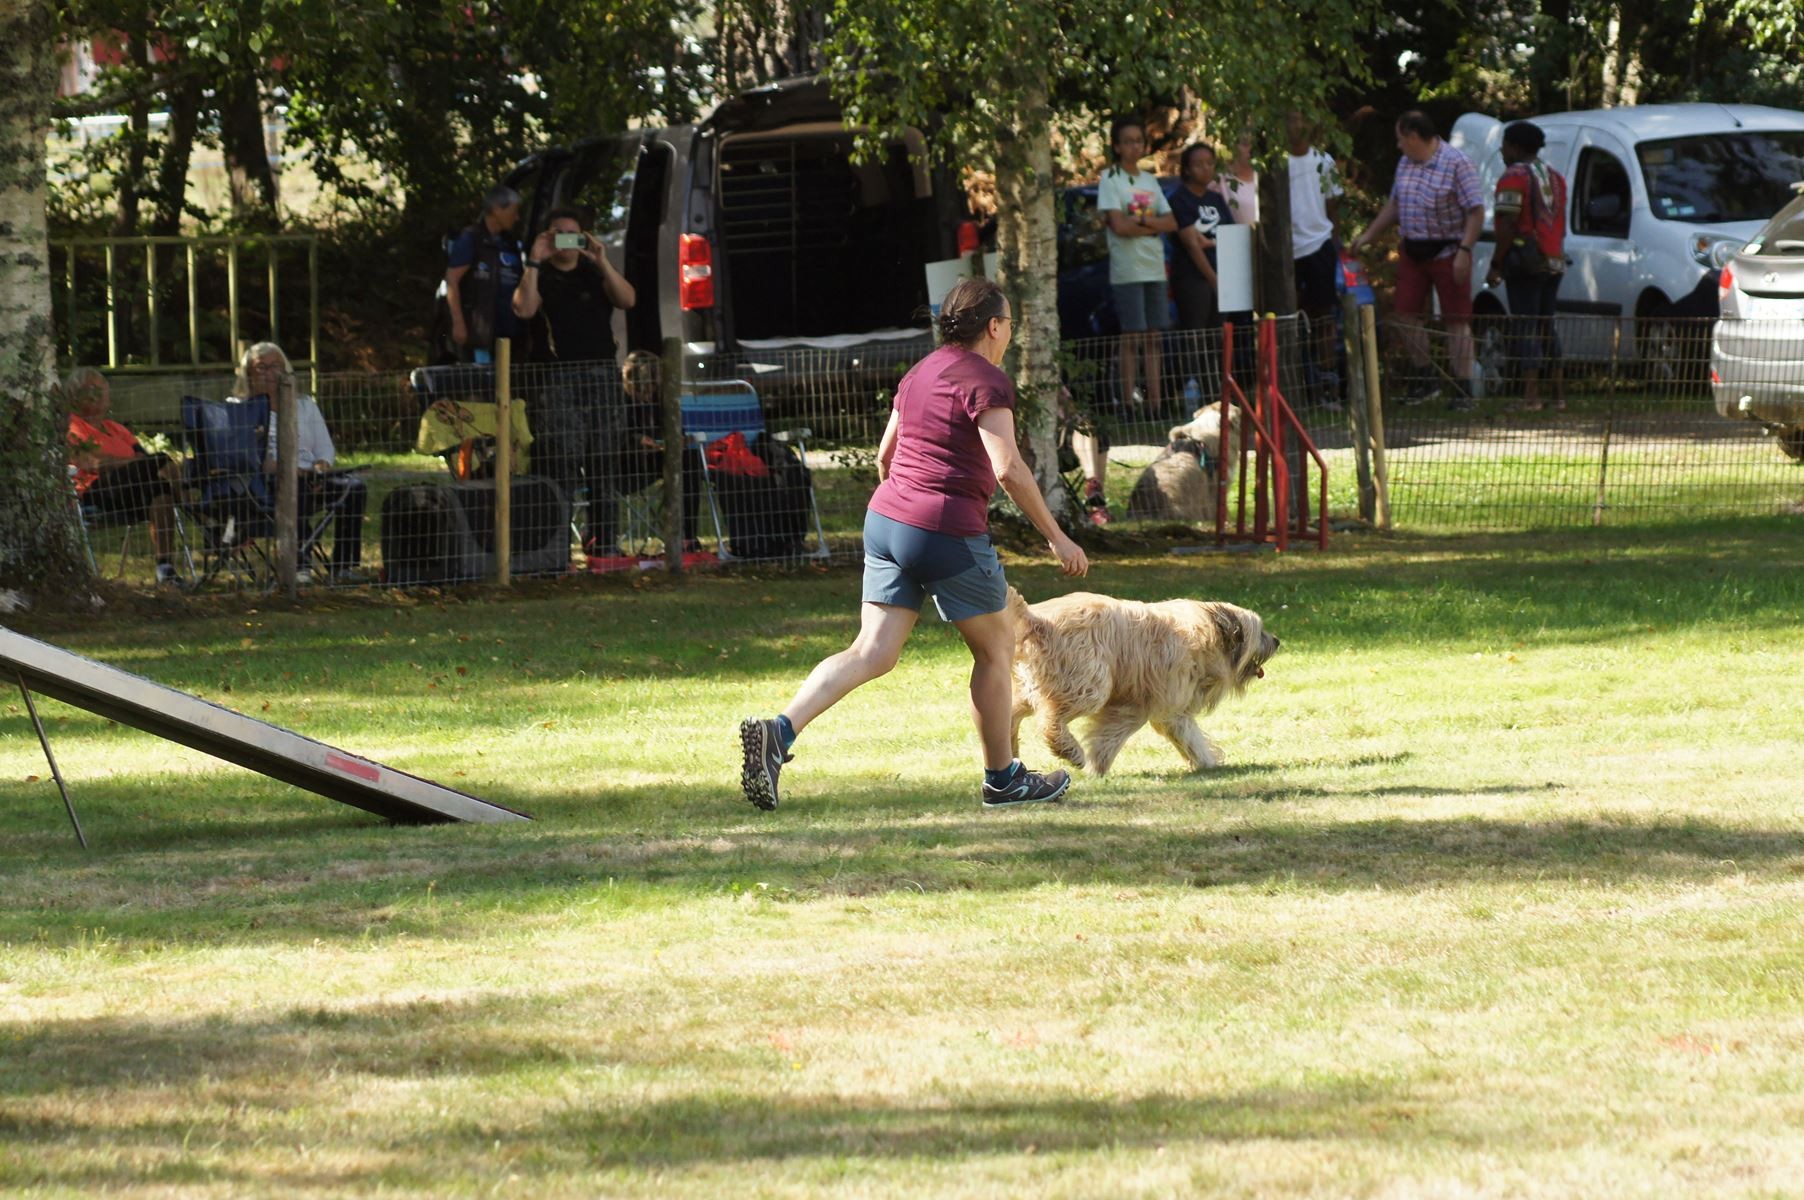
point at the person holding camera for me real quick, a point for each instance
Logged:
(566, 299)
(569, 290)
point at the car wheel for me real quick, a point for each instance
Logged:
(1670, 349)
(1792, 442)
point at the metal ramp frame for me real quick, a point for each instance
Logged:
(202, 725)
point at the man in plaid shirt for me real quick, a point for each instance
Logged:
(1439, 208)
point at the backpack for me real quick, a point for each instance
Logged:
(766, 515)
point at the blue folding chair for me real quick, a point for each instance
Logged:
(230, 497)
(713, 410)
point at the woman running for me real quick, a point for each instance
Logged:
(949, 442)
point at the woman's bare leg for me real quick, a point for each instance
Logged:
(991, 638)
(883, 629)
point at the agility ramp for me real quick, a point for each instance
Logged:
(267, 749)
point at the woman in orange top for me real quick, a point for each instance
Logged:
(113, 474)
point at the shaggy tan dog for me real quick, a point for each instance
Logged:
(1175, 486)
(1180, 485)
(1123, 664)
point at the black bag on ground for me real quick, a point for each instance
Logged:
(767, 516)
(437, 533)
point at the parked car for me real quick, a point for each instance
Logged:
(755, 231)
(1660, 196)
(1757, 346)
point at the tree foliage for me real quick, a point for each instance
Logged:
(414, 103)
(990, 80)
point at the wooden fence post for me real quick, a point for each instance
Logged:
(288, 487)
(504, 461)
(1358, 425)
(670, 391)
(1368, 330)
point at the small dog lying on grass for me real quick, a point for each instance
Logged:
(1123, 664)
(1180, 485)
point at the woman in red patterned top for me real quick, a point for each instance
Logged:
(113, 474)
(950, 441)
(1530, 259)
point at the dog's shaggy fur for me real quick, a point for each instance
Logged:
(1174, 487)
(1123, 664)
(1180, 485)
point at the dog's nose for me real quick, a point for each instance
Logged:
(1276, 641)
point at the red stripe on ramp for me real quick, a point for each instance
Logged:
(351, 766)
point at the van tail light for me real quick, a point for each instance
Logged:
(1724, 282)
(967, 238)
(1714, 377)
(695, 258)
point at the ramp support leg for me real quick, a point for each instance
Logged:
(55, 772)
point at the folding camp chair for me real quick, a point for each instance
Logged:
(714, 410)
(232, 500)
(89, 518)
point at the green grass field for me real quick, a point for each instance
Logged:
(1499, 895)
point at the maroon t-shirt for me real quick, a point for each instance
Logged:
(939, 476)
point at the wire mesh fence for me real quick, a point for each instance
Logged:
(778, 457)
(1615, 420)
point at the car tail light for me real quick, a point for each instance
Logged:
(967, 238)
(1724, 282)
(1714, 377)
(695, 258)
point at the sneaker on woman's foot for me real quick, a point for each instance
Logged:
(1028, 787)
(762, 741)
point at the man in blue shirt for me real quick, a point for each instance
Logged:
(482, 271)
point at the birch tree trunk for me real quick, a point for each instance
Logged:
(38, 548)
(1027, 245)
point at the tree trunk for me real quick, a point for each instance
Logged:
(1028, 247)
(38, 547)
(241, 137)
(1277, 277)
(172, 165)
(131, 175)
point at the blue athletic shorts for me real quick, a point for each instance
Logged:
(903, 565)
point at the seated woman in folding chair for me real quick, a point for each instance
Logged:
(950, 441)
(265, 371)
(114, 476)
(632, 460)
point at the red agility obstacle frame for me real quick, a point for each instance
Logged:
(1266, 426)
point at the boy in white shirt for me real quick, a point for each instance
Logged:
(1315, 193)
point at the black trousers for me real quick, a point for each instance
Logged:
(626, 469)
(347, 496)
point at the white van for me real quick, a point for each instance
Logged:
(1660, 195)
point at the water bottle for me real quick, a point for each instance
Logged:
(1193, 395)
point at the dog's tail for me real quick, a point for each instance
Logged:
(1028, 627)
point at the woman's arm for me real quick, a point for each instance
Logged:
(886, 446)
(996, 427)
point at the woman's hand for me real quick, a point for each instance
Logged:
(1072, 560)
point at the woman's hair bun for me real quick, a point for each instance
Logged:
(970, 306)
